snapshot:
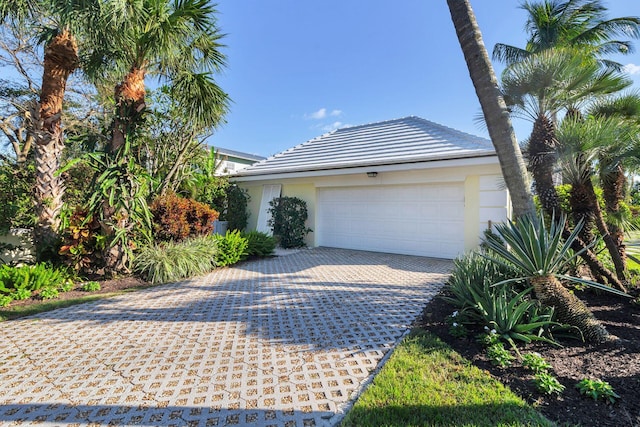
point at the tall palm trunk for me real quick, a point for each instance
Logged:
(582, 208)
(494, 109)
(613, 187)
(542, 160)
(60, 60)
(569, 309)
(609, 241)
(129, 96)
(542, 157)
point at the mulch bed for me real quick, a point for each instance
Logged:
(618, 364)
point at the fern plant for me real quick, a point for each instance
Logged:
(232, 247)
(259, 244)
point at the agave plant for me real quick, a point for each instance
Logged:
(539, 254)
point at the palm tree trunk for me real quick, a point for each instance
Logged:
(130, 104)
(60, 60)
(582, 210)
(609, 241)
(494, 109)
(542, 157)
(613, 187)
(129, 96)
(569, 309)
(542, 160)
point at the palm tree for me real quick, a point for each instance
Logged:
(176, 41)
(617, 156)
(494, 109)
(60, 60)
(539, 88)
(581, 143)
(573, 23)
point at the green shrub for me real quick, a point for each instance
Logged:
(499, 355)
(172, 261)
(259, 244)
(5, 300)
(509, 314)
(288, 218)
(472, 275)
(232, 247)
(547, 383)
(597, 389)
(31, 278)
(16, 198)
(66, 286)
(20, 294)
(236, 210)
(176, 218)
(535, 362)
(49, 293)
(91, 286)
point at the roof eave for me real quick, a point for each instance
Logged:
(469, 160)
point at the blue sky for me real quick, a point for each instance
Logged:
(299, 68)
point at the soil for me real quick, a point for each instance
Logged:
(617, 363)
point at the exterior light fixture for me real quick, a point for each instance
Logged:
(372, 174)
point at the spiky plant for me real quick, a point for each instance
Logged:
(539, 254)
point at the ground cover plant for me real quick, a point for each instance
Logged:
(617, 363)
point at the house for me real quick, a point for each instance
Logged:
(232, 161)
(406, 186)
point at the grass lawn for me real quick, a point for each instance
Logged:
(426, 383)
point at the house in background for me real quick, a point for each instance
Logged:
(406, 186)
(233, 161)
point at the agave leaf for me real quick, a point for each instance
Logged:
(593, 284)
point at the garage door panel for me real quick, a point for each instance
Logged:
(411, 219)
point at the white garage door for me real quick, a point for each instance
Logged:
(425, 220)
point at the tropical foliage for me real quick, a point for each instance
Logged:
(259, 244)
(232, 247)
(540, 254)
(176, 218)
(18, 283)
(288, 221)
(172, 261)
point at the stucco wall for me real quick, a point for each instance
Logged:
(485, 198)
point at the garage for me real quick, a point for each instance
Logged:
(426, 220)
(405, 186)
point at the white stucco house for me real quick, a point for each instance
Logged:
(232, 161)
(407, 186)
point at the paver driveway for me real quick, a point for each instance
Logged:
(286, 341)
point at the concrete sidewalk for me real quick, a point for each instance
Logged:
(286, 341)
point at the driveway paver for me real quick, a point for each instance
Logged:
(286, 341)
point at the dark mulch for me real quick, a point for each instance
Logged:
(618, 364)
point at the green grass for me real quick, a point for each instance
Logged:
(426, 383)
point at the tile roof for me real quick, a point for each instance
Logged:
(238, 154)
(406, 140)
